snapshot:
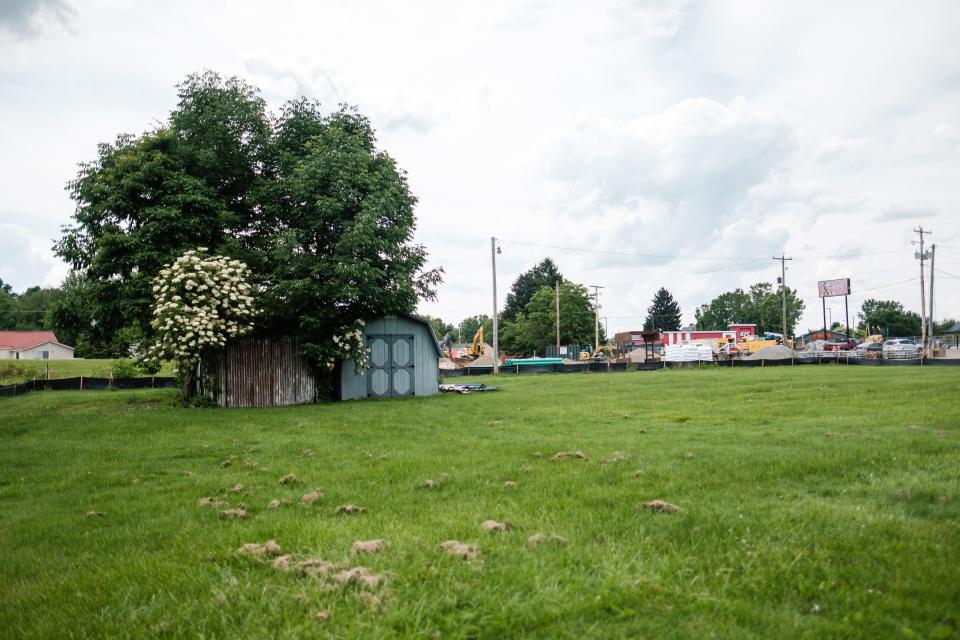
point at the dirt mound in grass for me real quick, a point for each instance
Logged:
(460, 550)
(496, 527)
(256, 550)
(349, 509)
(566, 455)
(358, 575)
(538, 539)
(368, 546)
(660, 506)
(311, 497)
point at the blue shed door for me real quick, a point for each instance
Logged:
(391, 365)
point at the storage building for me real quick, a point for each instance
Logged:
(404, 355)
(270, 372)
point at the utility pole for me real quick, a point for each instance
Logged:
(596, 315)
(496, 342)
(923, 303)
(933, 254)
(558, 316)
(783, 289)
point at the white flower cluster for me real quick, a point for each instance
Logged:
(200, 301)
(349, 345)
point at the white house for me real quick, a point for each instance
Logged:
(32, 345)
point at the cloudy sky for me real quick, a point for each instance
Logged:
(639, 144)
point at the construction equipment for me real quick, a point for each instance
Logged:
(749, 345)
(445, 344)
(476, 349)
(598, 352)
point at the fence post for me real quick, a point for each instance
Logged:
(81, 382)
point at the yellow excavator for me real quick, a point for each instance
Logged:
(584, 356)
(476, 349)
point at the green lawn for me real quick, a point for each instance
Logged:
(13, 371)
(815, 502)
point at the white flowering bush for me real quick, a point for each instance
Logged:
(200, 302)
(349, 344)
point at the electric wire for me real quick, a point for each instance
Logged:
(660, 256)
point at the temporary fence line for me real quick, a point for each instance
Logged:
(88, 383)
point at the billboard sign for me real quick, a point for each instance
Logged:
(831, 288)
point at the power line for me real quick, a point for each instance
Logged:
(631, 254)
(660, 256)
(944, 273)
(882, 286)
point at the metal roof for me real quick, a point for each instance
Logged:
(19, 340)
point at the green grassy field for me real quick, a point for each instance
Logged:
(13, 371)
(815, 502)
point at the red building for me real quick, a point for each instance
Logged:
(630, 340)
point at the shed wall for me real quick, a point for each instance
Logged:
(426, 368)
(257, 372)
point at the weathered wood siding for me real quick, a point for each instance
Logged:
(257, 372)
(426, 367)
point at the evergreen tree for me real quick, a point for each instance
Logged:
(664, 313)
(527, 285)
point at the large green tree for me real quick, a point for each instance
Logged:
(441, 328)
(890, 317)
(536, 328)
(34, 307)
(323, 217)
(664, 312)
(527, 284)
(468, 328)
(761, 305)
(72, 319)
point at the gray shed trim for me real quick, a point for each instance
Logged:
(424, 365)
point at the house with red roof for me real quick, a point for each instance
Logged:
(33, 345)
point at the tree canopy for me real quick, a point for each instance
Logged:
(664, 313)
(468, 328)
(761, 305)
(527, 284)
(323, 218)
(441, 328)
(30, 310)
(890, 317)
(535, 328)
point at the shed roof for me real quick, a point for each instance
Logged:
(26, 339)
(954, 329)
(426, 323)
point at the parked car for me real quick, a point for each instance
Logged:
(901, 348)
(870, 350)
(849, 345)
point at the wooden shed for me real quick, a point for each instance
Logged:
(263, 372)
(404, 355)
(259, 372)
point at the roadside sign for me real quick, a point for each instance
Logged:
(832, 288)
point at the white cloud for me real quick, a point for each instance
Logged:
(389, 108)
(28, 18)
(26, 259)
(922, 209)
(701, 128)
